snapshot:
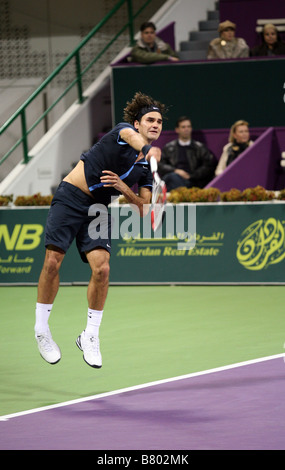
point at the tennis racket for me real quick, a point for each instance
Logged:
(158, 199)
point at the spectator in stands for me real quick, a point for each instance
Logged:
(271, 43)
(239, 141)
(150, 49)
(184, 161)
(227, 46)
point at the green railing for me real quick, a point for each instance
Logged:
(75, 55)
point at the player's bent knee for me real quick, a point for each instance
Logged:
(101, 272)
(53, 262)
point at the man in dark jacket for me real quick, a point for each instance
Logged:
(184, 161)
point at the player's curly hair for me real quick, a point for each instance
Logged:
(133, 108)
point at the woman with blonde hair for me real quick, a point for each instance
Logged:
(239, 141)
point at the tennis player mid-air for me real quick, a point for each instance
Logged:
(111, 167)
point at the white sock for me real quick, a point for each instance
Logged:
(42, 316)
(94, 318)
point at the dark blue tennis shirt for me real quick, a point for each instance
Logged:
(114, 154)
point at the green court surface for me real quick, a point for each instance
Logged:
(148, 333)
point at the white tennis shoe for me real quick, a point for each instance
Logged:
(90, 345)
(49, 350)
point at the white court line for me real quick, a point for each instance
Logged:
(139, 387)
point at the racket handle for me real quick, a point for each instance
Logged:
(153, 164)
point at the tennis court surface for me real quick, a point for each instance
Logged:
(236, 408)
(184, 368)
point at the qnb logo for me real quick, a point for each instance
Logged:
(22, 237)
(262, 244)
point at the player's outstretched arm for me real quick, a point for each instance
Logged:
(137, 141)
(133, 138)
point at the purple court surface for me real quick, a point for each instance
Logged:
(241, 407)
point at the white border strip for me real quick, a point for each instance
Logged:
(139, 387)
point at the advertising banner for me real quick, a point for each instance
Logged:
(211, 243)
(22, 249)
(234, 243)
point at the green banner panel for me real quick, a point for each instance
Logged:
(214, 243)
(234, 243)
(214, 94)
